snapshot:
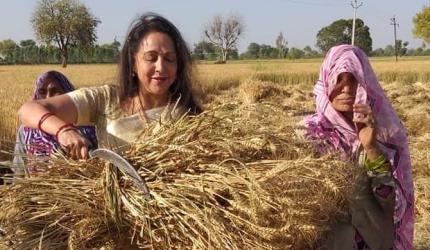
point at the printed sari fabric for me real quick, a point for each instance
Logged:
(38, 143)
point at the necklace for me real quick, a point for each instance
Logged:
(138, 108)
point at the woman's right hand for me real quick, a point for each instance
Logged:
(367, 130)
(74, 144)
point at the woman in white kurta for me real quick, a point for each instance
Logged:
(154, 82)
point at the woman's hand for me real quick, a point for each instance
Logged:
(74, 144)
(366, 125)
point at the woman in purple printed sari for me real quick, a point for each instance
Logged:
(354, 118)
(34, 144)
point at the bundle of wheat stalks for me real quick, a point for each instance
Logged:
(231, 178)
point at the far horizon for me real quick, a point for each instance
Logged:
(262, 22)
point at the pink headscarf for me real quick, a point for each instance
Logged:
(332, 132)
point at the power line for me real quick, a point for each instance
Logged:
(355, 6)
(395, 24)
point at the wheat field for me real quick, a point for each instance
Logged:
(407, 84)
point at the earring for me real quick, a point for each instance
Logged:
(133, 74)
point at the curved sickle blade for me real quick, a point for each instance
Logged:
(123, 165)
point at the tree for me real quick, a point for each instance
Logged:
(29, 52)
(66, 23)
(27, 43)
(8, 49)
(267, 51)
(389, 50)
(223, 32)
(402, 47)
(263, 51)
(309, 52)
(420, 51)
(340, 32)
(204, 51)
(378, 52)
(116, 45)
(253, 51)
(422, 24)
(295, 53)
(281, 45)
(233, 54)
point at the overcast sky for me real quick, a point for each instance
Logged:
(299, 20)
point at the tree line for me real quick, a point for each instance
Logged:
(66, 32)
(206, 51)
(222, 37)
(338, 32)
(28, 52)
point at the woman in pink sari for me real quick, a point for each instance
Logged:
(354, 118)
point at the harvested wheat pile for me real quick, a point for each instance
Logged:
(227, 179)
(291, 102)
(420, 155)
(411, 102)
(252, 91)
(422, 208)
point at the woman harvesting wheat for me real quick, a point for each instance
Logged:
(154, 82)
(355, 118)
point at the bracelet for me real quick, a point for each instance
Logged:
(378, 165)
(43, 119)
(64, 128)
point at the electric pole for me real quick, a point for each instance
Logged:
(355, 6)
(395, 24)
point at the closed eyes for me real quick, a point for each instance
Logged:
(152, 56)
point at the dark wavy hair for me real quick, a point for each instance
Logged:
(128, 82)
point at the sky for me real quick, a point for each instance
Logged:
(298, 20)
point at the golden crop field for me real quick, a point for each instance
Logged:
(407, 84)
(17, 82)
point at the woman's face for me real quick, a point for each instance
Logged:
(342, 97)
(49, 89)
(156, 64)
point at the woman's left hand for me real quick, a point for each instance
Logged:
(363, 117)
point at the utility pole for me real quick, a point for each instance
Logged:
(355, 6)
(395, 24)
